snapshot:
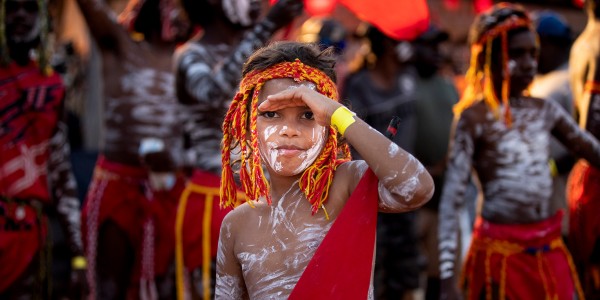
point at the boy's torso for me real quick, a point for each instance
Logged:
(275, 243)
(512, 163)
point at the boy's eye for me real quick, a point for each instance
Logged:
(269, 114)
(308, 115)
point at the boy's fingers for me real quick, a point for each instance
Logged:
(286, 95)
(269, 105)
(283, 99)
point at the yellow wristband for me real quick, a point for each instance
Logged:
(79, 263)
(342, 118)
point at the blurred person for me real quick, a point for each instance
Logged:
(129, 214)
(583, 187)
(36, 179)
(503, 135)
(435, 95)
(552, 83)
(208, 69)
(382, 89)
(328, 32)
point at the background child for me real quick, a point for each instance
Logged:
(504, 135)
(286, 118)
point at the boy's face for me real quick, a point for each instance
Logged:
(523, 52)
(289, 139)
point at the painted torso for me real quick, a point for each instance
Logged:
(512, 164)
(139, 102)
(274, 244)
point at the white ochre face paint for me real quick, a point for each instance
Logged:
(291, 157)
(309, 85)
(309, 156)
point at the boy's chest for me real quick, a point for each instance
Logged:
(277, 252)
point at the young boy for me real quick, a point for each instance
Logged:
(308, 232)
(504, 135)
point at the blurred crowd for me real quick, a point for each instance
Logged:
(146, 84)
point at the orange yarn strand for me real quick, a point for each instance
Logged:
(479, 78)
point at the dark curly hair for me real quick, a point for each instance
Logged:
(310, 54)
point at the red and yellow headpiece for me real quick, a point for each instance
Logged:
(479, 82)
(239, 134)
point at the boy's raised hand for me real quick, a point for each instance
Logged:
(321, 106)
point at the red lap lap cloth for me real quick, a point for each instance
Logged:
(198, 223)
(121, 194)
(583, 197)
(20, 240)
(521, 261)
(342, 265)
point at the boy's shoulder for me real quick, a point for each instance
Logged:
(245, 210)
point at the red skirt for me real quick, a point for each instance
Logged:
(21, 238)
(521, 261)
(121, 194)
(199, 222)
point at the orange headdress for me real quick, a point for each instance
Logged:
(240, 125)
(479, 80)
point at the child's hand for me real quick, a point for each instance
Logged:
(321, 106)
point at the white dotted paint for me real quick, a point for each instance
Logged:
(393, 150)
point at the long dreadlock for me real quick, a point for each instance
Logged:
(490, 29)
(239, 131)
(43, 51)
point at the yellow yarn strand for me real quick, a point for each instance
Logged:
(479, 78)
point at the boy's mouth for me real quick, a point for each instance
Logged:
(289, 150)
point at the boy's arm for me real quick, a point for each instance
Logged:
(578, 141)
(230, 280)
(407, 185)
(452, 199)
(404, 183)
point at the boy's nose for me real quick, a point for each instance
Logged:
(289, 130)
